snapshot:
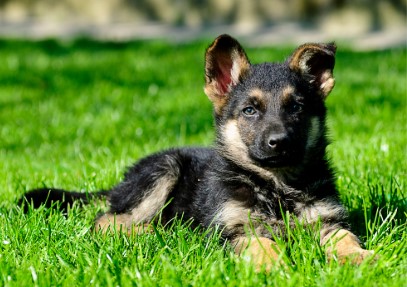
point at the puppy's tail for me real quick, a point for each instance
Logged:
(57, 198)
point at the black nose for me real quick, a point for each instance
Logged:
(276, 141)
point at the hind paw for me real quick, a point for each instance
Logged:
(356, 256)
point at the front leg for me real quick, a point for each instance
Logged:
(261, 251)
(345, 245)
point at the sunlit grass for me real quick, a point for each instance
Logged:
(75, 114)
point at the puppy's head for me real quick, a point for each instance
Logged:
(269, 115)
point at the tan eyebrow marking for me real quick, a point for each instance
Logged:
(287, 93)
(259, 96)
(256, 93)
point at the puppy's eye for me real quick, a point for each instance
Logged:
(296, 107)
(249, 111)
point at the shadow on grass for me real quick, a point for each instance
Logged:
(382, 203)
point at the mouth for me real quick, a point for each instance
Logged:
(274, 161)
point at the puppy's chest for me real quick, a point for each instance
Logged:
(268, 200)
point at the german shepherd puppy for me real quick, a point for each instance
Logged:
(269, 158)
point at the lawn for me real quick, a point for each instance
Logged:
(74, 114)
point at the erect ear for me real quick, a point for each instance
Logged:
(225, 65)
(315, 62)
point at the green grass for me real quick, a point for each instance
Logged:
(75, 114)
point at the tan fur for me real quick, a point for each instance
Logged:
(263, 252)
(212, 92)
(233, 214)
(302, 61)
(302, 55)
(112, 222)
(142, 213)
(155, 200)
(259, 97)
(257, 94)
(240, 65)
(120, 222)
(327, 83)
(238, 218)
(344, 245)
(299, 62)
(323, 209)
(287, 94)
(237, 152)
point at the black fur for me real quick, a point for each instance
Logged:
(58, 198)
(277, 167)
(188, 164)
